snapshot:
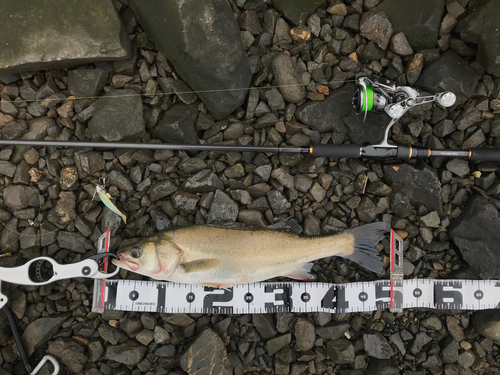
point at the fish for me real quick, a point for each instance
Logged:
(105, 198)
(222, 256)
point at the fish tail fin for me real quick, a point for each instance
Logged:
(366, 238)
(124, 218)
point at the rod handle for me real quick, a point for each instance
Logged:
(485, 154)
(337, 151)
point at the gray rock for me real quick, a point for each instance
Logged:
(366, 210)
(71, 241)
(420, 340)
(449, 73)
(481, 28)
(333, 331)
(431, 220)
(118, 116)
(297, 11)
(161, 189)
(204, 181)
(444, 128)
(475, 233)
(475, 140)
(421, 184)
(458, 166)
(400, 45)
(359, 133)
(204, 46)
(87, 82)
(305, 334)
(449, 351)
(278, 202)
(170, 85)
(265, 324)
(56, 35)
(375, 25)
(277, 343)
(95, 350)
(185, 202)
(376, 346)
(327, 115)
(263, 171)
(161, 335)
(120, 180)
(7, 168)
(14, 129)
(223, 209)
(19, 197)
(288, 79)
(9, 239)
(206, 355)
(129, 353)
(487, 323)
(254, 218)
(69, 352)
(41, 330)
(419, 20)
(111, 335)
(177, 125)
(341, 351)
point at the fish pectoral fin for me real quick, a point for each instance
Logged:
(199, 265)
(302, 273)
(218, 286)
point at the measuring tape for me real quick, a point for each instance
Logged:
(395, 294)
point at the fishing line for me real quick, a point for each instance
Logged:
(180, 92)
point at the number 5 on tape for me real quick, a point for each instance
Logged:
(397, 273)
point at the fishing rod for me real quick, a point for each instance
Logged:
(372, 95)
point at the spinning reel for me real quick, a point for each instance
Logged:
(381, 95)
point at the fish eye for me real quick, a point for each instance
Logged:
(136, 252)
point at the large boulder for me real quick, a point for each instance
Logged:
(419, 20)
(202, 41)
(482, 28)
(118, 116)
(477, 234)
(48, 34)
(298, 11)
(450, 73)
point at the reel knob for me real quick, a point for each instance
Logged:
(395, 111)
(446, 99)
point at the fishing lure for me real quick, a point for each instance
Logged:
(105, 198)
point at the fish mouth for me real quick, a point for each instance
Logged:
(130, 265)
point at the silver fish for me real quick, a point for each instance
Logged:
(221, 257)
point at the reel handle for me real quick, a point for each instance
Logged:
(485, 154)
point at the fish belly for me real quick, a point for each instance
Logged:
(247, 256)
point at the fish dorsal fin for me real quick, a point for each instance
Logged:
(230, 225)
(289, 225)
(302, 273)
(199, 265)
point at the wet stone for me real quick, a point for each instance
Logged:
(305, 334)
(376, 346)
(206, 355)
(70, 353)
(223, 209)
(278, 202)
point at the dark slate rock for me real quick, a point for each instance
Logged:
(265, 324)
(376, 346)
(118, 116)
(223, 209)
(419, 20)
(333, 331)
(161, 189)
(449, 73)
(487, 322)
(382, 367)
(288, 79)
(204, 46)
(55, 35)
(87, 82)
(41, 330)
(327, 115)
(9, 239)
(449, 352)
(481, 28)
(359, 133)
(203, 182)
(19, 197)
(341, 351)
(419, 341)
(420, 184)
(177, 125)
(88, 163)
(71, 241)
(206, 356)
(278, 202)
(129, 353)
(298, 11)
(476, 234)
(69, 352)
